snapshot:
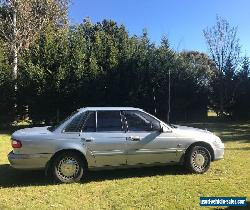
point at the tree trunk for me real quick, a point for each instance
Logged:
(15, 59)
(14, 48)
(221, 95)
(169, 97)
(57, 115)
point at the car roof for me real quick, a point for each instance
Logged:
(108, 108)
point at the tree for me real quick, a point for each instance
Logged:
(224, 49)
(241, 108)
(245, 69)
(22, 21)
(6, 92)
(42, 73)
(163, 65)
(100, 64)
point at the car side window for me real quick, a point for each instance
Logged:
(109, 121)
(76, 123)
(90, 122)
(140, 121)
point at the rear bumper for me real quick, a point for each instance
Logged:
(28, 161)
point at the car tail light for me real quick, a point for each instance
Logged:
(16, 143)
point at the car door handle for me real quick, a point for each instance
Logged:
(88, 139)
(134, 138)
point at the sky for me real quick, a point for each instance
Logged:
(182, 21)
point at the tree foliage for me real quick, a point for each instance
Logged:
(6, 92)
(101, 64)
(23, 20)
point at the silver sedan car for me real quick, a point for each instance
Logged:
(111, 137)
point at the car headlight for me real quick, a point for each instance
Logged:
(217, 142)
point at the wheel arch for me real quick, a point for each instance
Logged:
(49, 163)
(200, 143)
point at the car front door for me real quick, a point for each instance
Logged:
(105, 138)
(146, 144)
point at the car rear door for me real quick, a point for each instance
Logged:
(105, 138)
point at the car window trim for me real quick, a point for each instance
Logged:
(70, 120)
(76, 132)
(127, 129)
(122, 129)
(122, 118)
(81, 130)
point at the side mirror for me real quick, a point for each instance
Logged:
(164, 129)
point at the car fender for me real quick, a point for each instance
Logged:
(78, 147)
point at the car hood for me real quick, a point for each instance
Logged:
(32, 131)
(193, 132)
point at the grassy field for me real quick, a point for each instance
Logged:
(151, 188)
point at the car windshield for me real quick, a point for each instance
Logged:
(54, 127)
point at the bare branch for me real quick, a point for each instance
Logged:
(33, 16)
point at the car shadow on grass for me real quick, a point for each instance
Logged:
(135, 173)
(10, 177)
(226, 131)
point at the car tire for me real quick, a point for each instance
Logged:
(198, 159)
(68, 167)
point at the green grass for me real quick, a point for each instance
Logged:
(150, 188)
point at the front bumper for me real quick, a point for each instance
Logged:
(219, 153)
(28, 161)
